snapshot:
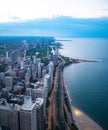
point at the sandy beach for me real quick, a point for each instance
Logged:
(83, 121)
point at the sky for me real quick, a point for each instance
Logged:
(23, 10)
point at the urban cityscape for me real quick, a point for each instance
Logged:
(32, 92)
(53, 65)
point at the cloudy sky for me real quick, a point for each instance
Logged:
(21, 10)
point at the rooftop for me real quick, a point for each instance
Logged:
(39, 102)
(28, 104)
(4, 105)
(47, 76)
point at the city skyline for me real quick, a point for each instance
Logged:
(24, 10)
(29, 108)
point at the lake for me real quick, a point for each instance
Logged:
(88, 82)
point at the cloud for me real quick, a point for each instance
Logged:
(100, 9)
(57, 27)
(32, 9)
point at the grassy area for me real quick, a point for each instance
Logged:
(67, 104)
(65, 115)
(73, 126)
(3, 67)
(40, 52)
(60, 119)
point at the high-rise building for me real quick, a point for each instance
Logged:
(29, 71)
(27, 78)
(39, 70)
(22, 64)
(38, 60)
(9, 81)
(2, 77)
(34, 59)
(7, 54)
(39, 92)
(22, 113)
(12, 56)
(28, 115)
(40, 113)
(21, 74)
(34, 75)
(33, 68)
(43, 73)
(18, 53)
(24, 55)
(47, 81)
(5, 93)
(51, 70)
(47, 87)
(8, 117)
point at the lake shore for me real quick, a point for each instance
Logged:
(81, 120)
(84, 122)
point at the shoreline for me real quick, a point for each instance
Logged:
(87, 60)
(83, 121)
(80, 119)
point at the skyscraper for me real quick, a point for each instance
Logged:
(22, 115)
(9, 81)
(39, 70)
(8, 117)
(40, 113)
(28, 115)
(7, 54)
(51, 69)
(47, 81)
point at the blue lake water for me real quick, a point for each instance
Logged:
(88, 82)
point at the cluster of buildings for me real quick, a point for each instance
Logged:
(24, 90)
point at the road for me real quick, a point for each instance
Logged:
(56, 118)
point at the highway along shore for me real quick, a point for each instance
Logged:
(60, 114)
(59, 108)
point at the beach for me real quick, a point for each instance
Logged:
(84, 122)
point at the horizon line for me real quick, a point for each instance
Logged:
(18, 20)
